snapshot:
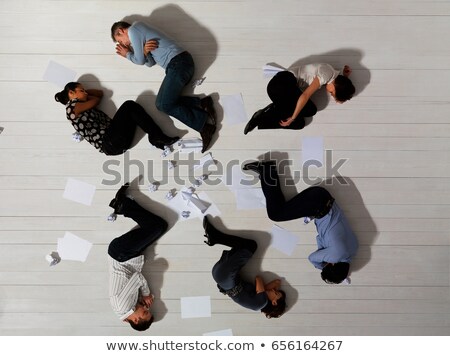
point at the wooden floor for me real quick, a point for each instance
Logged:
(394, 136)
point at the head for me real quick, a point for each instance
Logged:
(276, 305)
(341, 89)
(119, 32)
(141, 319)
(335, 273)
(72, 90)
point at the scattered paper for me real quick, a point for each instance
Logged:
(233, 109)
(79, 191)
(193, 202)
(73, 248)
(190, 145)
(195, 307)
(225, 332)
(58, 74)
(283, 240)
(250, 199)
(270, 71)
(205, 161)
(312, 150)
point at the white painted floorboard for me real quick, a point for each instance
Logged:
(394, 136)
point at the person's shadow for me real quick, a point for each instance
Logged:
(344, 190)
(254, 267)
(185, 30)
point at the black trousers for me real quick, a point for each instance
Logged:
(284, 92)
(310, 202)
(120, 133)
(134, 242)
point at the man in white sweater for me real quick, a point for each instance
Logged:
(129, 293)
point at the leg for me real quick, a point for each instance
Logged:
(134, 242)
(215, 236)
(226, 271)
(131, 112)
(307, 203)
(119, 135)
(169, 100)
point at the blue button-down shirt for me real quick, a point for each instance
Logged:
(336, 242)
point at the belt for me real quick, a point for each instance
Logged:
(325, 210)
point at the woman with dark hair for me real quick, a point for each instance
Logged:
(110, 136)
(291, 90)
(336, 242)
(259, 296)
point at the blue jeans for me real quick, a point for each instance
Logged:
(169, 100)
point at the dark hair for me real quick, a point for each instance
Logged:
(142, 325)
(63, 96)
(275, 311)
(335, 273)
(344, 88)
(117, 26)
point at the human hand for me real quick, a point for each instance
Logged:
(148, 300)
(122, 50)
(286, 122)
(150, 46)
(346, 71)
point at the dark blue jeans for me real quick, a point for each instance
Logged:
(169, 100)
(134, 242)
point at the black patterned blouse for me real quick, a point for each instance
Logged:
(91, 124)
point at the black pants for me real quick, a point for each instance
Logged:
(120, 133)
(310, 202)
(284, 92)
(134, 242)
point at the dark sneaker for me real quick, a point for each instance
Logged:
(117, 202)
(207, 135)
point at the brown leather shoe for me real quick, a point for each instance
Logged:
(207, 134)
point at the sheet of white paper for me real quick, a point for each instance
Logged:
(198, 204)
(250, 199)
(213, 210)
(225, 332)
(312, 149)
(233, 109)
(58, 74)
(270, 70)
(79, 191)
(235, 178)
(73, 248)
(283, 240)
(206, 161)
(191, 145)
(195, 307)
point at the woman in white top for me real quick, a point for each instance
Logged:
(290, 92)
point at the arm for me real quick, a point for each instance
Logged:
(275, 284)
(82, 106)
(95, 92)
(318, 258)
(259, 285)
(302, 100)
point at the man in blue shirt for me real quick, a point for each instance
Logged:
(142, 44)
(336, 242)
